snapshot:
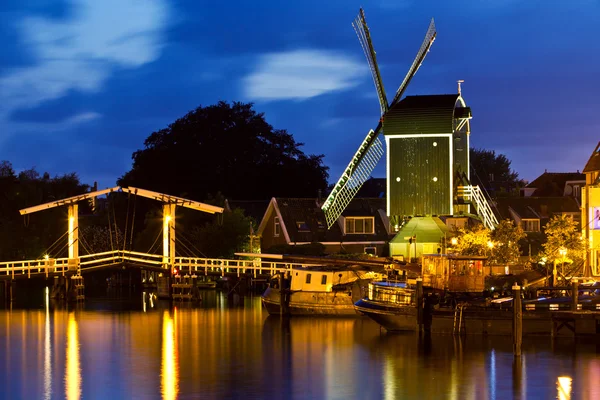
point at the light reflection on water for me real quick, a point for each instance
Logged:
(229, 348)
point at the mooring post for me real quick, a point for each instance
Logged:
(517, 320)
(575, 296)
(419, 304)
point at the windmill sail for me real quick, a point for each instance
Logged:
(425, 46)
(356, 173)
(371, 149)
(364, 37)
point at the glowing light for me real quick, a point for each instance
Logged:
(169, 374)
(563, 387)
(46, 257)
(73, 370)
(47, 351)
(168, 218)
(562, 251)
(397, 179)
(490, 244)
(454, 241)
(435, 178)
(434, 144)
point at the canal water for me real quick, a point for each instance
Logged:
(142, 348)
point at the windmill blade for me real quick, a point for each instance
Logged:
(364, 37)
(356, 173)
(427, 42)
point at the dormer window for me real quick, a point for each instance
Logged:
(302, 226)
(356, 225)
(276, 227)
(530, 225)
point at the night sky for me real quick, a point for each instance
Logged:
(84, 82)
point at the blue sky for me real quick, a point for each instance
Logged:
(84, 82)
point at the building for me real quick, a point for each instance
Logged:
(556, 184)
(427, 139)
(590, 212)
(532, 213)
(362, 228)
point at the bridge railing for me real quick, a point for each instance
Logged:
(27, 267)
(184, 265)
(192, 265)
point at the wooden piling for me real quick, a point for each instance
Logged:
(419, 304)
(517, 320)
(575, 294)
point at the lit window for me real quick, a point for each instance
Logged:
(324, 280)
(371, 250)
(576, 191)
(276, 227)
(530, 225)
(308, 276)
(356, 225)
(302, 226)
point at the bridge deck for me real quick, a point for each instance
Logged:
(156, 262)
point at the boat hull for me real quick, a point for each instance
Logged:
(339, 303)
(392, 318)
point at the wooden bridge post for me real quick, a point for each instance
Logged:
(517, 320)
(575, 294)
(73, 231)
(419, 304)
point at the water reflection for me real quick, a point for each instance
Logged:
(73, 370)
(47, 351)
(169, 372)
(238, 352)
(563, 385)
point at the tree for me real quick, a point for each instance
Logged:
(31, 236)
(227, 148)
(505, 239)
(473, 241)
(492, 171)
(563, 233)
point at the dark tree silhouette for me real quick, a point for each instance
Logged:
(227, 148)
(492, 171)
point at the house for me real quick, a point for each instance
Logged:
(418, 236)
(590, 211)
(532, 213)
(362, 228)
(555, 184)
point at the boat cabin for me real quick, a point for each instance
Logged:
(455, 273)
(327, 279)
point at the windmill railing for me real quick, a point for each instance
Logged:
(473, 195)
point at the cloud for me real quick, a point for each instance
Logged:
(302, 74)
(80, 52)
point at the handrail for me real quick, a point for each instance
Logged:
(481, 204)
(182, 264)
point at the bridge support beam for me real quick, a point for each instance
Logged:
(168, 235)
(73, 232)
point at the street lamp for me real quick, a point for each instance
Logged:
(490, 246)
(563, 253)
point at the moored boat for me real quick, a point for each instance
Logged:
(318, 290)
(390, 304)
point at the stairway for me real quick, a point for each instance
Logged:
(473, 195)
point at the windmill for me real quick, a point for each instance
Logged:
(427, 138)
(371, 149)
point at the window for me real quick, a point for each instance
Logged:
(371, 250)
(276, 226)
(360, 225)
(324, 280)
(530, 225)
(308, 276)
(302, 226)
(576, 191)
